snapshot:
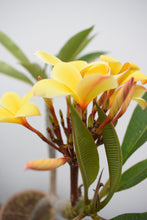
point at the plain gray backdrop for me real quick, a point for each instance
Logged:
(121, 28)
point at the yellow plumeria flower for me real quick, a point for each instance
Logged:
(69, 78)
(123, 73)
(14, 108)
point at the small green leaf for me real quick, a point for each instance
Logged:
(86, 151)
(92, 56)
(133, 175)
(114, 157)
(34, 69)
(73, 46)
(131, 216)
(10, 71)
(136, 133)
(12, 47)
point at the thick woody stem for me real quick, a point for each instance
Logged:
(74, 183)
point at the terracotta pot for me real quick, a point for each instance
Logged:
(20, 205)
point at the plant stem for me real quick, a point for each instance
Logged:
(74, 183)
(52, 190)
(104, 191)
(80, 216)
(27, 125)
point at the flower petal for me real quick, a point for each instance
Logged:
(129, 66)
(79, 64)
(46, 164)
(47, 58)
(139, 92)
(97, 67)
(11, 101)
(114, 64)
(29, 109)
(8, 117)
(27, 97)
(126, 72)
(50, 88)
(92, 85)
(138, 76)
(67, 74)
(140, 102)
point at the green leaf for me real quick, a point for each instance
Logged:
(114, 157)
(133, 175)
(34, 69)
(92, 56)
(131, 216)
(84, 44)
(12, 47)
(10, 71)
(86, 151)
(74, 45)
(136, 133)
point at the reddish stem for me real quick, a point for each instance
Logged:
(74, 183)
(27, 125)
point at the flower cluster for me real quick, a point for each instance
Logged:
(106, 82)
(84, 82)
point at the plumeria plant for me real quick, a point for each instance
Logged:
(97, 94)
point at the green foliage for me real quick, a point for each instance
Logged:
(35, 70)
(84, 44)
(136, 133)
(10, 71)
(131, 216)
(86, 151)
(92, 56)
(12, 47)
(114, 157)
(133, 175)
(74, 45)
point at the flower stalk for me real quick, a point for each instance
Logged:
(40, 135)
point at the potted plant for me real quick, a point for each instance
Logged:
(97, 95)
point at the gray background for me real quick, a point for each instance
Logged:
(46, 25)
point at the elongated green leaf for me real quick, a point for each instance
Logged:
(34, 69)
(131, 216)
(74, 44)
(12, 47)
(133, 175)
(86, 151)
(92, 56)
(10, 71)
(84, 44)
(136, 133)
(113, 153)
